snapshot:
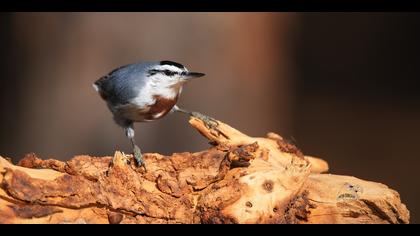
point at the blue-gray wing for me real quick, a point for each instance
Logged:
(122, 84)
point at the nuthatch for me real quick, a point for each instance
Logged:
(145, 91)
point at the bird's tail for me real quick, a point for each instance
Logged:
(98, 88)
(95, 86)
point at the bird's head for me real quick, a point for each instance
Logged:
(169, 73)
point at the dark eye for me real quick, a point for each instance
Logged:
(168, 73)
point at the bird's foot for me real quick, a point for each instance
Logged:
(210, 123)
(138, 157)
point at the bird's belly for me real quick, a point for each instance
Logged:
(158, 109)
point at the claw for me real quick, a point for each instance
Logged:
(210, 122)
(138, 156)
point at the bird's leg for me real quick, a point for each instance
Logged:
(129, 131)
(208, 121)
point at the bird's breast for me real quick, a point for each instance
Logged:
(161, 107)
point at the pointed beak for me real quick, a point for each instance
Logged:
(192, 75)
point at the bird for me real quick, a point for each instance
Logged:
(146, 91)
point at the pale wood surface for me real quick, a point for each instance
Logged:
(241, 179)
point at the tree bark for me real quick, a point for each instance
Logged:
(240, 179)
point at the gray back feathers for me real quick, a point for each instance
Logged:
(121, 85)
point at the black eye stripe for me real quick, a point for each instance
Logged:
(153, 72)
(165, 72)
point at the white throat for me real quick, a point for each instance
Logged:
(156, 86)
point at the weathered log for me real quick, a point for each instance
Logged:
(240, 179)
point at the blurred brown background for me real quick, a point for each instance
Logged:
(342, 86)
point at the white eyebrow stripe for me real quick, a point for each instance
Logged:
(168, 67)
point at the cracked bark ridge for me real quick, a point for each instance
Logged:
(240, 179)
